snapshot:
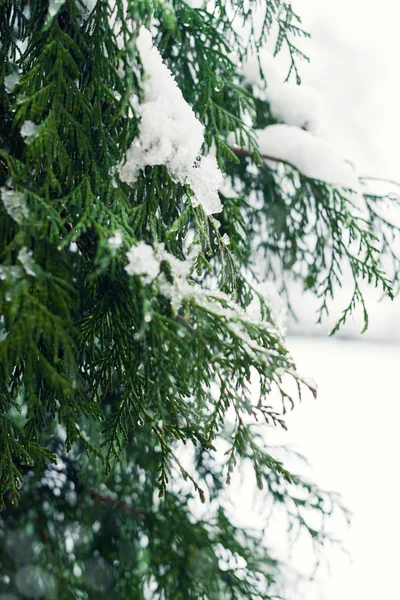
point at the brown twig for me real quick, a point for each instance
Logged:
(97, 497)
(243, 153)
(41, 528)
(4, 165)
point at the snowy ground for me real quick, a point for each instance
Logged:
(350, 437)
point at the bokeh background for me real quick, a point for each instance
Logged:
(351, 433)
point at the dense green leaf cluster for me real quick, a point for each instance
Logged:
(88, 537)
(101, 373)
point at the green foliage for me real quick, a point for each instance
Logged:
(105, 376)
(113, 538)
(318, 233)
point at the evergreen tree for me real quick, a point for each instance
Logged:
(136, 209)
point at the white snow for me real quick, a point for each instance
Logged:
(11, 81)
(300, 108)
(312, 156)
(15, 204)
(145, 260)
(115, 241)
(205, 179)
(26, 260)
(28, 130)
(170, 133)
(181, 269)
(299, 105)
(251, 69)
(142, 261)
(212, 301)
(219, 304)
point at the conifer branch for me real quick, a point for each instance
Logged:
(131, 321)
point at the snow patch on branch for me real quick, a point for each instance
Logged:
(170, 133)
(10, 81)
(312, 156)
(205, 179)
(29, 130)
(142, 261)
(115, 241)
(26, 260)
(15, 204)
(145, 261)
(299, 105)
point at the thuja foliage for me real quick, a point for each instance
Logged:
(103, 376)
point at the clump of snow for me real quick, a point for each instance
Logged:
(26, 260)
(312, 156)
(142, 261)
(11, 81)
(205, 179)
(15, 204)
(251, 69)
(236, 319)
(181, 269)
(299, 105)
(28, 130)
(170, 133)
(12, 273)
(145, 260)
(115, 241)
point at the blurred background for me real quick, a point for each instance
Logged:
(350, 434)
